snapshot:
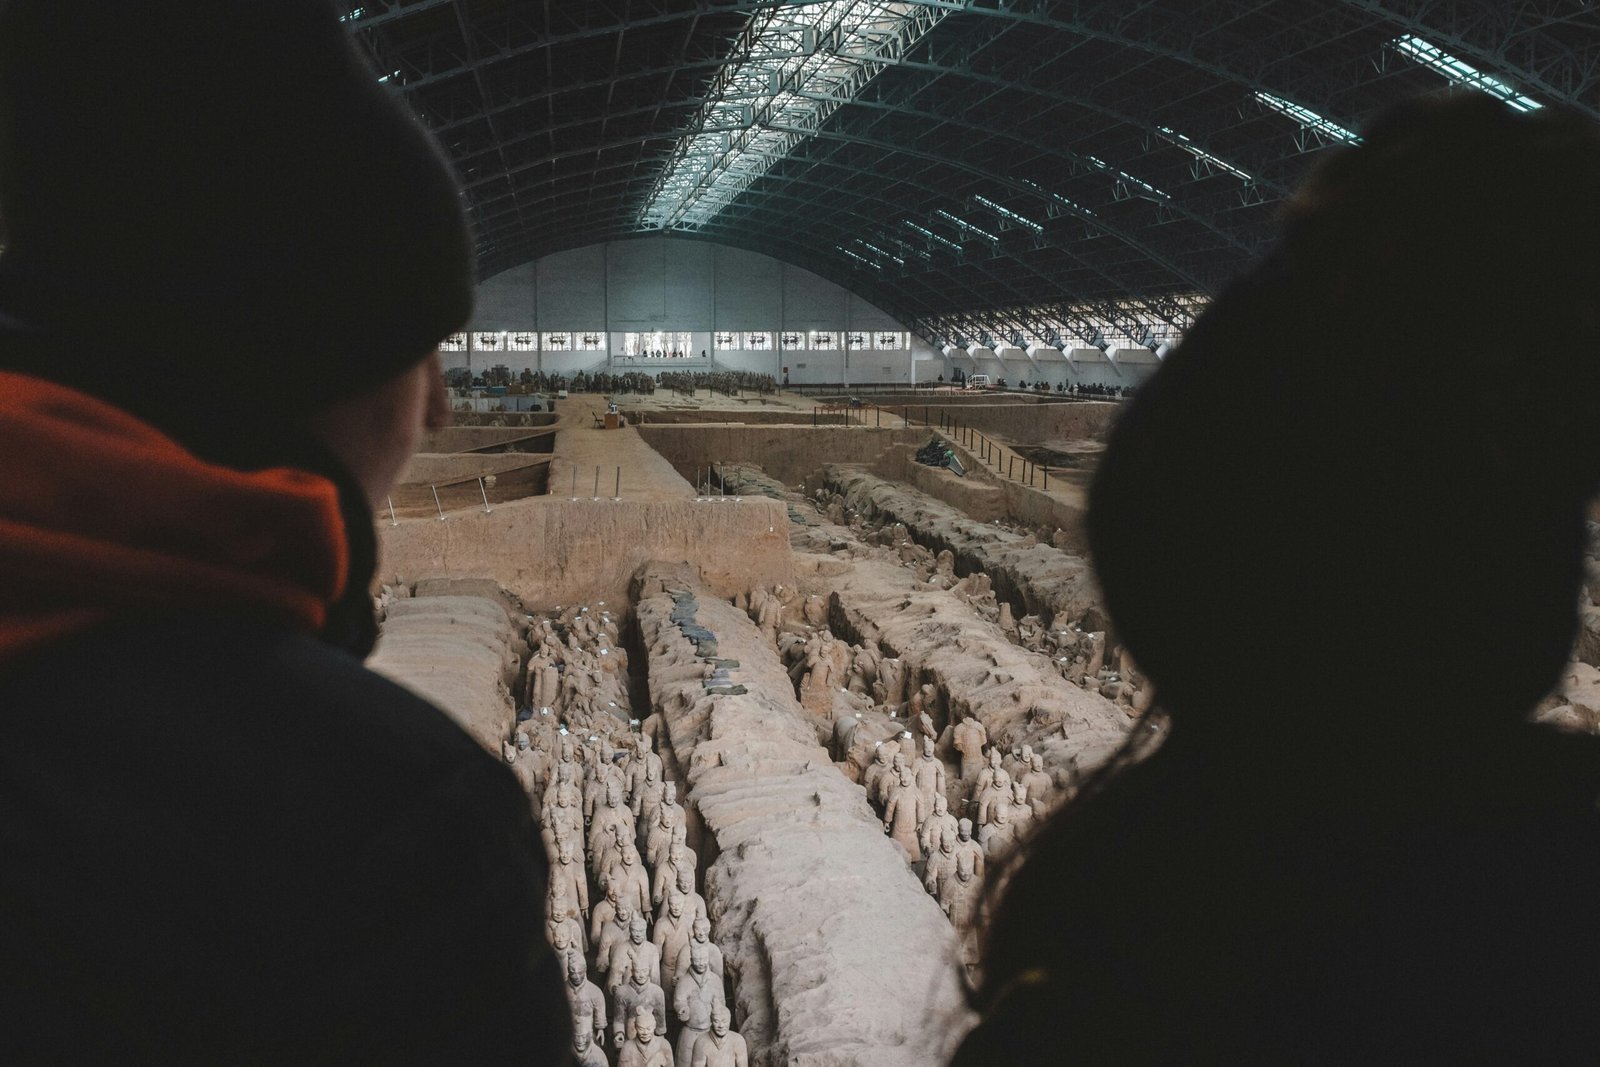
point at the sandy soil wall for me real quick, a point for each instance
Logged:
(551, 550)
(1038, 423)
(437, 469)
(840, 958)
(787, 453)
(460, 652)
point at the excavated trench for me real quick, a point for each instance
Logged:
(1036, 578)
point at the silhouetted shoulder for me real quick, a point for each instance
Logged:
(184, 796)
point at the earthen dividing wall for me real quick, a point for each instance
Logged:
(436, 468)
(840, 956)
(550, 550)
(1038, 579)
(985, 497)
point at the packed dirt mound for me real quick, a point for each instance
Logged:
(840, 957)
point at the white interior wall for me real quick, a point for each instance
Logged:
(677, 285)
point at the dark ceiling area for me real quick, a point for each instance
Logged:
(1018, 168)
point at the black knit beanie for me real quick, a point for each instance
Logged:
(215, 215)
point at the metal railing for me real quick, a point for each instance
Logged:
(479, 494)
(858, 414)
(616, 490)
(993, 452)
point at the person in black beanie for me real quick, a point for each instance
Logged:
(230, 255)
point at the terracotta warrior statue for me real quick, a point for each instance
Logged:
(588, 1004)
(966, 846)
(700, 934)
(694, 905)
(928, 772)
(941, 863)
(1039, 785)
(559, 922)
(612, 813)
(615, 932)
(633, 885)
(605, 912)
(1021, 813)
(995, 795)
(567, 875)
(999, 834)
(959, 894)
(903, 814)
(641, 1045)
(671, 936)
(586, 1051)
(721, 1047)
(634, 957)
(970, 737)
(934, 826)
(699, 991)
(876, 769)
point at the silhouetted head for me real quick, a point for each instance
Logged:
(1353, 496)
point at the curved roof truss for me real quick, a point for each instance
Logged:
(987, 170)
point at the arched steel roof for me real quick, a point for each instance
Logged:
(1001, 169)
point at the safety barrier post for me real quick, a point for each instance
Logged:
(596, 483)
(618, 495)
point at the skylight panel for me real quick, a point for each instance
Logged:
(930, 235)
(1308, 118)
(1172, 136)
(964, 225)
(1057, 198)
(1007, 213)
(801, 62)
(874, 248)
(859, 259)
(1129, 179)
(1460, 71)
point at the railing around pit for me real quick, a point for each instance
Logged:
(1005, 462)
(1027, 472)
(481, 494)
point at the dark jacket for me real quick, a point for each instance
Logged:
(1186, 916)
(222, 839)
(226, 843)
